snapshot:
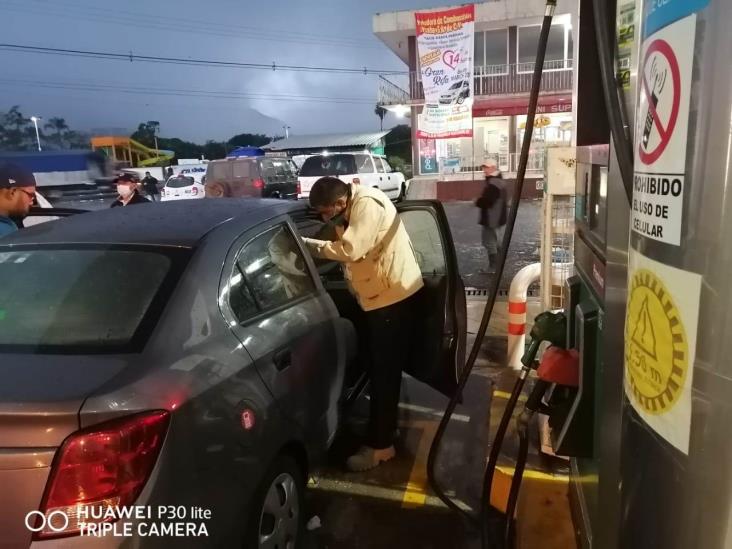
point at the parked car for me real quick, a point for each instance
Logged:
(457, 93)
(189, 354)
(181, 187)
(258, 177)
(353, 168)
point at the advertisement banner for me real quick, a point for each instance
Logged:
(445, 50)
(427, 156)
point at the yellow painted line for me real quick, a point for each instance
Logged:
(535, 475)
(505, 395)
(415, 493)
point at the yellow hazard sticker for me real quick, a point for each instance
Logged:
(656, 347)
(662, 318)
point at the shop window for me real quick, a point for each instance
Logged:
(479, 49)
(496, 47)
(528, 42)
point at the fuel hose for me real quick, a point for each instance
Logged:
(482, 520)
(611, 93)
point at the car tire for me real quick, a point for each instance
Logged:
(460, 100)
(402, 193)
(277, 516)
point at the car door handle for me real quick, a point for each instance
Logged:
(282, 359)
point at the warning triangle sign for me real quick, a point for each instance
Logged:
(643, 335)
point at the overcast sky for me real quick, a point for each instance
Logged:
(334, 33)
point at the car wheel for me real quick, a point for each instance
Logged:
(277, 517)
(460, 100)
(402, 193)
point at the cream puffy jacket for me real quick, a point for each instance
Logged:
(375, 249)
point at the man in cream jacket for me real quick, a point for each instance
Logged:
(383, 274)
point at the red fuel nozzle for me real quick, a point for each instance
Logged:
(560, 366)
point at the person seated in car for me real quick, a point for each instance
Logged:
(128, 191)
(17, 195)
(382, 272)
(289, 262)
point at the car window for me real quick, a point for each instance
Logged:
(363, 161)
(72, 299)
(219, 170)
(332, 164)
(424, 232)
(178, 182)
(270, 271)
(241, 169)
(276, 168)
(387, 166)
(379, 165)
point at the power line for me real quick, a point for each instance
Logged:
(131, 57)
(182, 92)
(183, 25)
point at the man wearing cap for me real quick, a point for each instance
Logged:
(128, 192)
(17, 195)
(492, 204)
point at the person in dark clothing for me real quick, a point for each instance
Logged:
(492, 203)
(17, 195)
(127, 191)
(169, 173)
(150, 184)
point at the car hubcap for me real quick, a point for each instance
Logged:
(278, 523)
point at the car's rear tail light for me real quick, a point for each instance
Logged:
(258, 183)
(104, 466)
(298, 188)
(194, 191)
(356, 181)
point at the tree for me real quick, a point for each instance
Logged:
(381, 113)
(247, 139)
(145, 133)
(59, 126)
(14, 126)
(399, 142)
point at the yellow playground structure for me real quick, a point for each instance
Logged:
(130, 152)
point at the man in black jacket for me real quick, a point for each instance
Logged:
(150, 184)
(127, 189)
(492, 203)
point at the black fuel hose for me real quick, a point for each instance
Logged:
(611, 92)
(522, 428)
(482, 520)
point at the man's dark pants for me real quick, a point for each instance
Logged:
(391, 332)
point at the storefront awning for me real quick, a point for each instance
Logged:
(507, 106)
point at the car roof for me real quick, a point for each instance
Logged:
(181, 223)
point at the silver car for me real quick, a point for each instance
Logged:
(187, 364)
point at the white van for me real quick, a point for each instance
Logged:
(353, 168)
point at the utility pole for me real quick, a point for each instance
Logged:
(35, 120)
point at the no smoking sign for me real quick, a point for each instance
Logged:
(662, 118)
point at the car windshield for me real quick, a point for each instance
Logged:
(180, 181)
(457, 85)
(332, 164)
(74, 300)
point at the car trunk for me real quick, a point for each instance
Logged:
(40, 402)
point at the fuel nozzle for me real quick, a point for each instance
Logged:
(551, 327)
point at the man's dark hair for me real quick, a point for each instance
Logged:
(326, 191)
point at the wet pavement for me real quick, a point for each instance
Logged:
(472, 257)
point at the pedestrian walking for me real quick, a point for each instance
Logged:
(493, 205)
(150, 184)
(127, 189)
(383, 274)
(17, 195)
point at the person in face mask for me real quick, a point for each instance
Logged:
(127, 191)
(383, 274)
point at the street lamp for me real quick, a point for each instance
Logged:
(35, 120)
